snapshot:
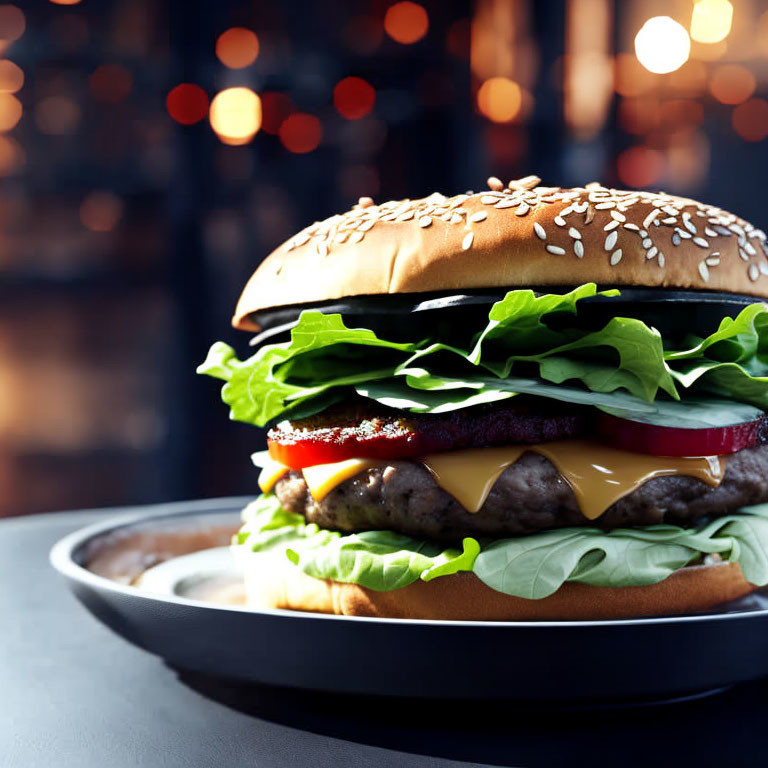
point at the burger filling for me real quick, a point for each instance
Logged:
(540, 452)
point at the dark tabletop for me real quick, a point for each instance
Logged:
(74, 694)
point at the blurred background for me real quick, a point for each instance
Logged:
(153, 151)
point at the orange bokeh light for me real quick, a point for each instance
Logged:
(12, 23)
(57, 116)
(750, 120)
(237, 48)
(640, 166)
(65, 2)
(110, 83)
(10, 112)
(11, 77)
(406, 22)
(354, 98)
(639, 114)
(499, 99)
(235, 115)
(100, 211)
(301, 133)
(11, 156)
(275, 108)
(631, 78)
(187, 103)
(732, 84)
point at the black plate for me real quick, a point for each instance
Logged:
(544, 662)
(403, 317)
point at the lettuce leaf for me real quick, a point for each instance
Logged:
(522, 349)
(532, 567)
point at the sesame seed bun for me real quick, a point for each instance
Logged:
(273, 583)
(521, 235)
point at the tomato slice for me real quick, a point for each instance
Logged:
(300, 454)
(672, 441)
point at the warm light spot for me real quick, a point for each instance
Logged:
(237, 48)
(662, 45)
(406, 22)
(12, 23)
(10, 112)
(681, 113)
(732, 84)
(110, 83)
(750, 120)
(235, 115)
(65, 2)
(709, 51)
(301, 133)
(11, 156)
(690, 78)
(499, 99)
(187, 103)
(354, 98)
(639, 114)
(640, 166)
(57, 116)
(11, 77)
(100, 211)
(275, 107)
(762, 32)
(711, 20)
(630, 77)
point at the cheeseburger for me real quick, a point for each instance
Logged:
(524, 403)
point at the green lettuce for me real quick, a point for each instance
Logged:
(532, 566)
(523, 348)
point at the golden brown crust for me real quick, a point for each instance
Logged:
(522, 236)
(463, 597)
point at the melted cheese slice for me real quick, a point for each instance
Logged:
(598, 474)
(323, 478)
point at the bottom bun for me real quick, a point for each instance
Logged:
(275, 583)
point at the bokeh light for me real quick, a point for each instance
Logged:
(275, 108)
(12, 156)
(237, 48)
(499, 99)
(354, 98)
(406, 22)
(732, 84)
(630, 77)
(711, 20)
(640, 166)
(12, 24)
(235, 115)
(100, 211)
(681, 113)
(110, 83)
(10, 112)
(690, 79)
(750, 120)
(187, 103)
(639, 115)
(65, 2)
(56, 116)
(11, 77)
(662, 45)
(301, 133)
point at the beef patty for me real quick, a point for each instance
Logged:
(529, 496)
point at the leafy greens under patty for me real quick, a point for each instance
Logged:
(532, 566)
(624, 368)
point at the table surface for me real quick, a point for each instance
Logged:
(74, 694)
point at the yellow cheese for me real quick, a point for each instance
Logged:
(271, 472)
(323, 478)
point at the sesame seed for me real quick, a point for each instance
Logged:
(322, 248)
(618, 216)
(642, 233)
(688, 224)
(604, 206)
(763, 268)
(556, 250)
(365, 202)
(478, 216)
(576, 207)
(651, 252)
(710, 232)
(340, 237)
(704, 271)
(610, 241)
(456, 218)
(712, 261)
(522, 209)
(301, 239)
(750, 249)
(495, 183)
(466, 243)
(508, 202)
(669, 220)
(650, 217)
(615, 257)
(647, 242)
(539, 230)
(489, 199)
(366, 225)
(356, 237)
(661, 260)
(632, 227)
(754, 272)
(589, 215)
(682, 233)
(724, 231)
(560, 221)
(611, 225)
(743, 255)
(574, 233)
(701, 242)
(407, 216)
(578, 249)
(425, 221)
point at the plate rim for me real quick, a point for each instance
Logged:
(61, 558)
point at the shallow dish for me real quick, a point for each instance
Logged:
(196, 621)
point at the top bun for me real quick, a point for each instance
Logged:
(522, 235)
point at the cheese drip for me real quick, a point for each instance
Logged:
(598, 474)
